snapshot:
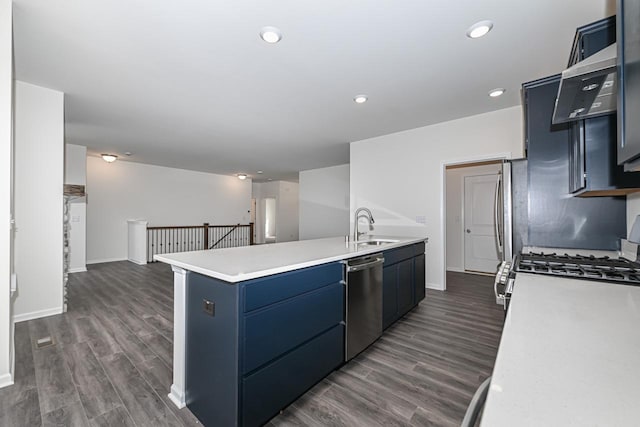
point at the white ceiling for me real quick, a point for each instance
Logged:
(189, 84)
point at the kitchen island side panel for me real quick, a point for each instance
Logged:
(212, 350)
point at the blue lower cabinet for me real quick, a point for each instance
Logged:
(420, 277)
(254, 347)
(280, 327)
(389, 295)
(403, 281)
(270, 389)
(405, 286)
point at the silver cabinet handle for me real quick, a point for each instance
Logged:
(359, 267)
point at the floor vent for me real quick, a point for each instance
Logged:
(44, 342)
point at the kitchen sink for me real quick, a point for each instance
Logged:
(375, 242)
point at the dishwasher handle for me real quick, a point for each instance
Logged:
(365, 266)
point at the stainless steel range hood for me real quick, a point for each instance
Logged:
(588, 88)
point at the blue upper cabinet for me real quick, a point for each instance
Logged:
(594, 169)
(628, 30)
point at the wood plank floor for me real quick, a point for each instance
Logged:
(111, 362)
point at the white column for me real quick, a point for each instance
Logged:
(177, 394)
(6, 154)
(137, 245)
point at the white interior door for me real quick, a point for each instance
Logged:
(480, 244)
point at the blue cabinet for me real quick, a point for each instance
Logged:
(265, 342)
(403, 281)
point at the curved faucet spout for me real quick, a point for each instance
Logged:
(356, 217)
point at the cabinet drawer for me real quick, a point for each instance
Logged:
(418, 249)
(268, 290)
(396, 255)
(270, 389)
(270, 332)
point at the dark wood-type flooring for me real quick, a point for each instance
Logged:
(111, 362)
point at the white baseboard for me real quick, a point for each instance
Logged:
(100, 261)
(137, 262)
(78, 270)
(6, 380)
(177, 397)
(436, 286)
(36, 314)
(456, 269)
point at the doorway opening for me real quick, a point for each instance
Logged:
(472, 213)
(270, 220)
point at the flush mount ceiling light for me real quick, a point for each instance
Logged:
(497, 92)
(360, 99)
(479, 29)
(270, 34)
(109, 158)
(242, 176)
(260, 172)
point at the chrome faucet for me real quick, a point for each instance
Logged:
(369, 216)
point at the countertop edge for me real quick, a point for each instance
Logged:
(166, 258)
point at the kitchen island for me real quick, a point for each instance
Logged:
(255, 327)
(568, 355)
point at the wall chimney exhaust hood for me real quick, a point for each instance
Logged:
(588, 89)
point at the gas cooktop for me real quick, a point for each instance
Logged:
(580, 267)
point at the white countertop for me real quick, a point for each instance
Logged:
(569, 355)
(250, 262)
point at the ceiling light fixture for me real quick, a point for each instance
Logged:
(497, 92)
(109, 158)
(242, 176)
(360, 99)
(260, 172)
(270, 34)
(479, 29)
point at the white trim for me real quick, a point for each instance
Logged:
(78, 270)
(178, 388)
(436, 286)
(177, 397)
(137, 262)
(6, 380)
(443, 201)
(456, 269)
(36, 314)
(100, 261)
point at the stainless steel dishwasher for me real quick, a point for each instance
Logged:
(363, 311)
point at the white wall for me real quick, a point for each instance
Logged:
(75, 172)
(119, 191)
(324, 202)
(39, 174)
(407, 195)
(455, 211)
(286, 195)
(6, 171)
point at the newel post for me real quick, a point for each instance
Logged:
(251, 233)
(206, 235)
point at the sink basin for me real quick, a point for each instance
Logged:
(376, 242)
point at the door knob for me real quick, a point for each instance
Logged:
(468, 231)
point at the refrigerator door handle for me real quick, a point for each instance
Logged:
(498, 225)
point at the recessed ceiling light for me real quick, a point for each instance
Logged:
(270, 34)
(128, 153)
(260, 172)
(479, 29)
(242, 176)
(360, 99)
(109, 158)
(497, 92)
